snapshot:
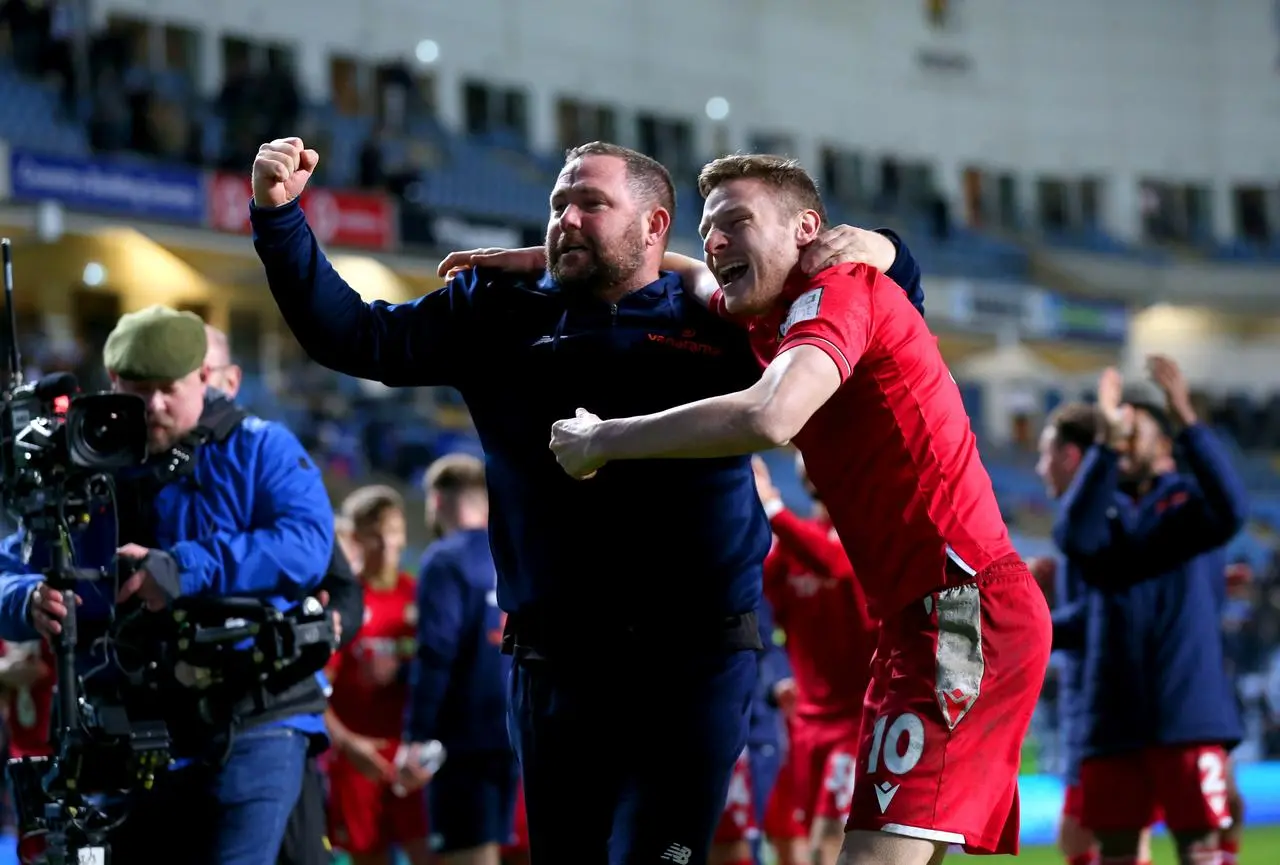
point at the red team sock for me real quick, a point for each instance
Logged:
(1230, 851)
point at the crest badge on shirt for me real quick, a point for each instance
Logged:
(804, 307)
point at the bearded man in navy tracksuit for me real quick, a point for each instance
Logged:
(1159, 717)
(626, 723)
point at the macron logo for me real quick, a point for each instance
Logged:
(884, 794)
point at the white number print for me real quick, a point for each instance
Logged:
(841, 775)
(1213, 781)
(91, 856)
(899, 758)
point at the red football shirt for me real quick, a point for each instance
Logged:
(363, 705)
(891, 453)
(821, 607)
(29, 709)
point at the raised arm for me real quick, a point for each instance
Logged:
(418, 343)
(1119, 547)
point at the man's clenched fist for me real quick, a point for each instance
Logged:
(281, 171)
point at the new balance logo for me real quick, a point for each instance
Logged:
(677, 854)
(884, 794)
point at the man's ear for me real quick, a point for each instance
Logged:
(658, 226)
(808, 227)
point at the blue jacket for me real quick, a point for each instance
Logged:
(1069, 621)
(254, 520)
(458, 681)
(1154, 671)
(678, 542)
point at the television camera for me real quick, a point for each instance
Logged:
(61, 453)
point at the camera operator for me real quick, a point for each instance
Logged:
(227, 505)
(305, 839)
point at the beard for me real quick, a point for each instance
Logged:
(596, 267)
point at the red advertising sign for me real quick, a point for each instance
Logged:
(338, 217)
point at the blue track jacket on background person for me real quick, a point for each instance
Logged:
(1154, 671)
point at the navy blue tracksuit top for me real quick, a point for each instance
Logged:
(668, 541)
(1154, 672)
(458, 681)
(1069, 620)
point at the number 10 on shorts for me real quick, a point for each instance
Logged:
(898, 744)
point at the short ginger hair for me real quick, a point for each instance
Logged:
(779, 173)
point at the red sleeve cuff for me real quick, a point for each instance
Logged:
(832, 350)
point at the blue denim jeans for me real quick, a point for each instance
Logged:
(233, 814)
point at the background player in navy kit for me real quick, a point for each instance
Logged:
(1143, 536)
(458, 681)
(606, 327)
(1070, 431)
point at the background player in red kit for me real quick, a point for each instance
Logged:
(738, 826)
(783, 826)
(830, 640)
(853, 375)
(27, 679)
(366, 816)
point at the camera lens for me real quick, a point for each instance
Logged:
(107, 431)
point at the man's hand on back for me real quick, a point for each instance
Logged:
(529, 259)
(847, 244)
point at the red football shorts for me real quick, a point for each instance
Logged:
(365, 816)
(783, 814)
(519, 842)
(955, 679)
(826, 753)
(1073, 803)
(738, 822)
(1128, 792)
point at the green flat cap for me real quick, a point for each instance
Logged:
(156, 344)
